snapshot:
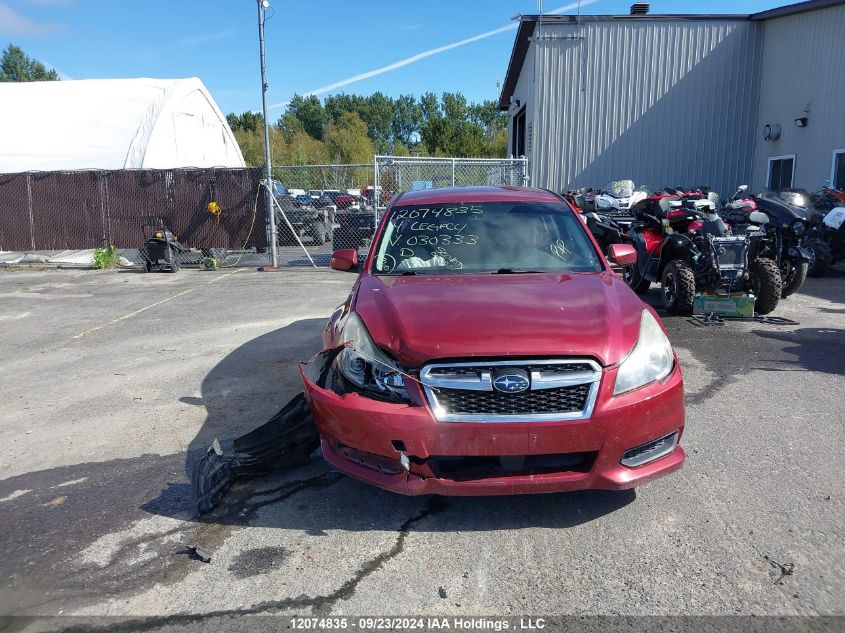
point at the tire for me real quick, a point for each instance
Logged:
(638, 283)
(148, 266)
(678, 287)
(821, 258)
(765, 283)
(795, 278)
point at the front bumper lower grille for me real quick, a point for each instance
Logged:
(560, 389)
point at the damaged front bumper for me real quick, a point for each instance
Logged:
(403, 448)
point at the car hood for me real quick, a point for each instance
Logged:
(421, 318)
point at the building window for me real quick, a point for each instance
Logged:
(837, 175)
(781, 170)
(518, 134)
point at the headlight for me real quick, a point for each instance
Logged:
(365, 365)
(650, 360)
(798, 227)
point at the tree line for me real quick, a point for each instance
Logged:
(347, 128)
(15, 65)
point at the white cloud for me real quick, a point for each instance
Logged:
(425, 54)
(204, 38)
(14, 24)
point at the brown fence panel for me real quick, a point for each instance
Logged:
(15, 219)
(67, 210)
(84, 209)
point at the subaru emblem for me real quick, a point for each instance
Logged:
(511, 382)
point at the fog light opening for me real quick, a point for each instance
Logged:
(651, 451)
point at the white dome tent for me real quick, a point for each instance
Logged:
(113, 124)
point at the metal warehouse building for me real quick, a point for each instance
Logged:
(716, 100)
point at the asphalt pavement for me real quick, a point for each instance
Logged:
(113, 383)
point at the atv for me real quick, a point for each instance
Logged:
(618, 196)
(779, 233)
(683, 245)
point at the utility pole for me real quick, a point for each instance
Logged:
(268, 171)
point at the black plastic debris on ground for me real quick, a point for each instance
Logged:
(785, 569)
(285, 440)
(199, 554)
(703, 320)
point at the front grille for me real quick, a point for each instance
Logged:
(560, 400)
(558, 389)
(730, 253)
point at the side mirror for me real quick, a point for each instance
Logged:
(742, 189)
(345, 259)
(623, 254)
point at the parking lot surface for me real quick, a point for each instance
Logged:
(114, 383)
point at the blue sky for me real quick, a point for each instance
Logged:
(310, 43)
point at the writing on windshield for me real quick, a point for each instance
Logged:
(486, 236)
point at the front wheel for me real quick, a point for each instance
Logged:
(765, 284)
(632, 277)
(821, 257)
(678, 284)
(796, 273)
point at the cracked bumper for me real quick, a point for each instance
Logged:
(359, 436)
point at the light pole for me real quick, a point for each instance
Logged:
(268, 172)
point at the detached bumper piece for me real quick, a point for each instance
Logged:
(287, 439)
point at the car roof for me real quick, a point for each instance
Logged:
(477, 194)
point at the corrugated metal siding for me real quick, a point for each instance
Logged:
(664, 102)
(803, 68)
(522, 92)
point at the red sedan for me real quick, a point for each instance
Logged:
(488, 348)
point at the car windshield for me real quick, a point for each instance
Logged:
(620, 188)
(484, 237)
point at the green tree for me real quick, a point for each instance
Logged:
(303, 149)
(248, 121)
(15, 65)
(347, 140)
(251, 143)
(311, 113)
(378, 116)
(407, 117)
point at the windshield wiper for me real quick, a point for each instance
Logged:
(513, 271)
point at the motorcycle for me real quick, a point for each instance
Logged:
(618, 196)
(686, 247)
(778, 232)
(826, 237)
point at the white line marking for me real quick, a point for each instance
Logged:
(145, 308)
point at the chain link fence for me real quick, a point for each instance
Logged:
(321, 208)
(394, 174)
(218, 215)
(60, 216)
